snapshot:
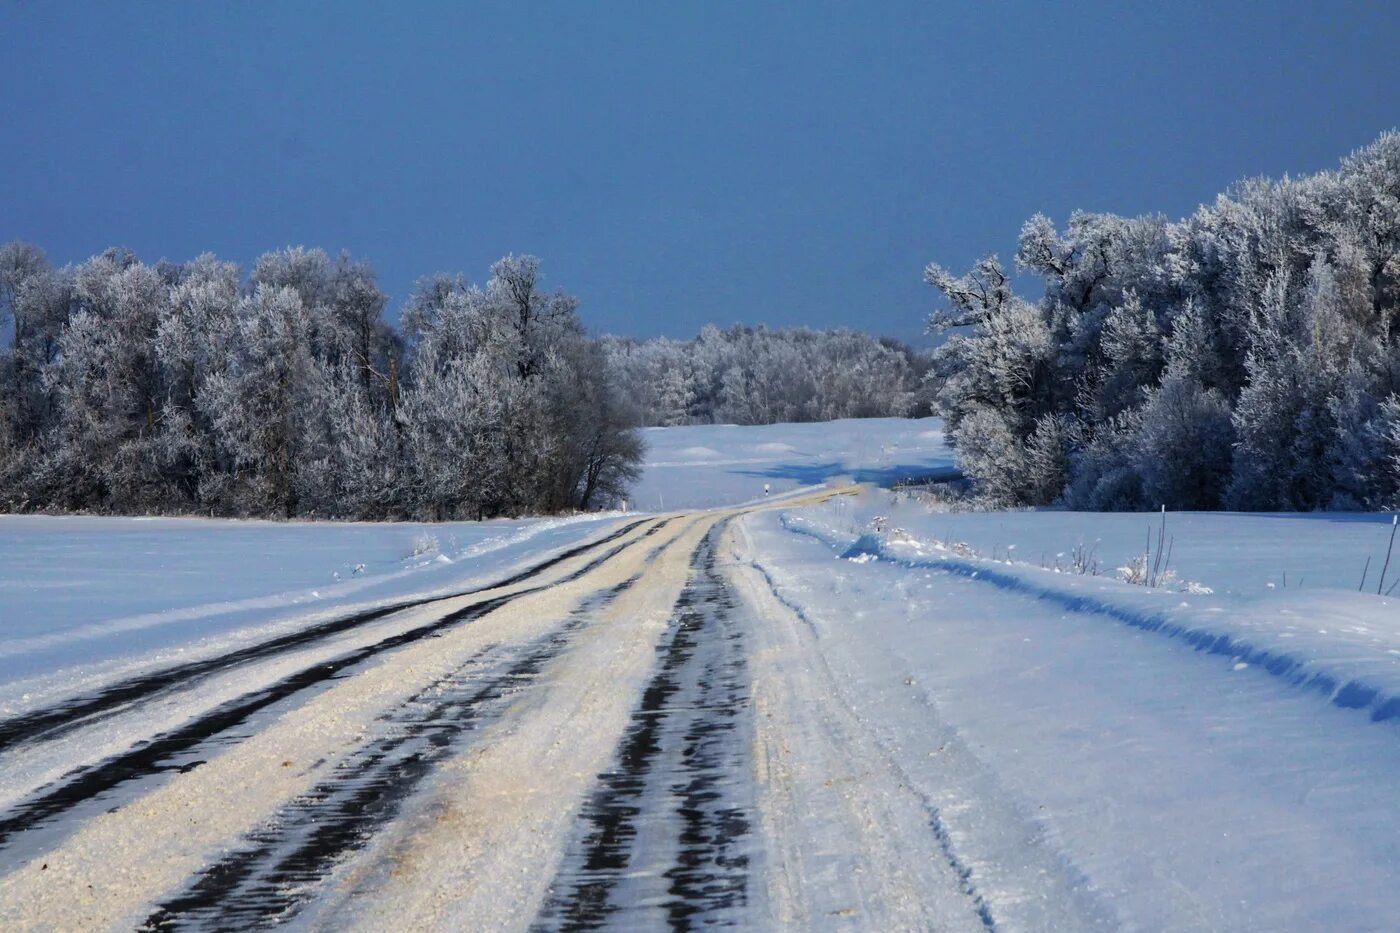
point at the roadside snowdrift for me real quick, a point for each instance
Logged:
(1088, 726)
(1338, 644)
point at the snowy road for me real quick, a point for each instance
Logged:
(694, 720)
(570, 748)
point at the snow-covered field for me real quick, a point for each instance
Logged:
(76, 590)
(705, 466)
(846, 709)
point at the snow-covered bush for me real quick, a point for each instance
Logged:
(1138, 571)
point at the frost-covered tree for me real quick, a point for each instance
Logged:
(106, 386)
(754, 375)
(184, 388)
(194, 342)
(33, 307)
(504, 378)
(1242, 357)
(453, 434)
(264, 407)
(1184, 444)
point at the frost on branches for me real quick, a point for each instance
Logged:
(754, 375)
(1244, 358)
(184, 388)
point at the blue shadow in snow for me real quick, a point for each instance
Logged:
(1300, 672)
(1351, 518)
(811, 474)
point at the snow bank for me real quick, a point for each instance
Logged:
(1243, 553)
(1168, 786)
(1344, 646)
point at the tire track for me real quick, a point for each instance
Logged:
(56, 719)
(281, 865)
(848, 834)
(665, 836)
(181, 749)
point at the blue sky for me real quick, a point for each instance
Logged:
(672, 163)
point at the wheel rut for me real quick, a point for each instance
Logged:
(665, 839)
(30, 825)
(58, 718)
(280, 867)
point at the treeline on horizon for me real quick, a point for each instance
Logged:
(188, 388)
(758, 375)
(1246, 357)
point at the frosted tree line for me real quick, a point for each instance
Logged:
(1247, 357)
(186, 388)
(754, 375)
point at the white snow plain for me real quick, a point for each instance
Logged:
(77, 591)
(708, 466)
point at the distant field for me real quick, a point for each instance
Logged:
(713, 465)
(75, 590)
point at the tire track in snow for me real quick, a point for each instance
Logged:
(91, 788)
(58, 718)
(282, 864)
(114, 869)
(849, 842)
(960, 869)
(664, 839)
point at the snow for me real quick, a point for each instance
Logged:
(951, 727)
(91, 593)
(1233, 552)
(76, 590)
(1339, 644)
(458, 865)
(1172, 783)
(706, 466)
(137, 853)
(82, 591)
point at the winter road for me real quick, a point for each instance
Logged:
(601, 740)
(699, 719)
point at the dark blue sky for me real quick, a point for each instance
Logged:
(673, 163)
